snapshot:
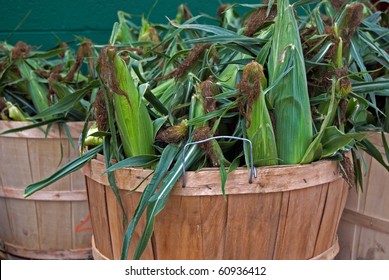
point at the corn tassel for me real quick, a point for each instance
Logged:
(259, 127)
(289, 97)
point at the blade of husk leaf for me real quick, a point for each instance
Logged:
(385, 144)
(157, 202)
(63, 171)
(137, 161)
(34, 125)
(155, 102)
(369, 148)
(68, 102)
(316, 143)
(111, 175)
(68, 135)
(367, 87)
(167, 157)
(357, 170)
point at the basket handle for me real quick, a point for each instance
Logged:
(252, 168)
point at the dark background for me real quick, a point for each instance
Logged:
(39, 22)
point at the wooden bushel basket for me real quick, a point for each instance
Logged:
(364, 227)
(288, 212)
(52, 223)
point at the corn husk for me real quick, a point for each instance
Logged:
(289, 97)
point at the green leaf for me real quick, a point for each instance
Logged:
(369, 148)
(63, 171)
(167, 158)
(367, 87)
(316, 145)
(334, 140)
(385, 144)
(157, 202)
(111, 175)
(137, 161)
(357, 170)
(34, 125)
(66, 103)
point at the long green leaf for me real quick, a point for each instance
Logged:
(63, 171)
(68, 102)
(137, 161)
(372, 150)
(158, 201)
(34, 125)
(167, 158)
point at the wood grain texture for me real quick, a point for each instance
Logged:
(285, 216)
(49, 220)
(363, 230)
(207, 181)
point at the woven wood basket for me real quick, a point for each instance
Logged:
(52, 223)
(288, 212)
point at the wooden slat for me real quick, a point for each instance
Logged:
(301, 224)
(5, 228)
(213, 226)
(49, 254)
(115, 223)
(207, 181)
(178, 224)
(14, 193)
(14, 172)
(329, 254)
(366, 221)
(24, 223)
(96, 253)
(336, 198)
(131, 202)
(251, 226)
(55, 224)
(40, 133)
(99, 217)
(81, 229)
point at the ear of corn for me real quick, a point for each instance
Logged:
(14, 113)
(133, 120)
(38, 92)
(289, 97)
(259, 127)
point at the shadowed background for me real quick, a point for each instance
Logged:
(38, 23)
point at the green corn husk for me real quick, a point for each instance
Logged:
(38, 92)
(14, 113)
(289, 97)
(133, 120)
(259, 127)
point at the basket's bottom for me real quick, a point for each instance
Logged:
(329, 254)
(11, 251)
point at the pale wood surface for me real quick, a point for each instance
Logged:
(15, 251)
(48, 219)
(17, 193)
(363, 231)
(207, 181)
(40, 133)
(97, 204)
